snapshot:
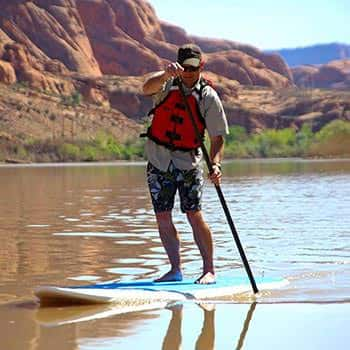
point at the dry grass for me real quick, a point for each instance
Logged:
(27, 114)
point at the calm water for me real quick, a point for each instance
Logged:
(77, 224)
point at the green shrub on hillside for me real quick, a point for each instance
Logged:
(304, 139)
(134, 149)
(270, 143)
(108, 145)
(275, 143)
(237, 134)
(72, 100)
(332, 140)
(89, 153)
(333, 129)
(68, 152)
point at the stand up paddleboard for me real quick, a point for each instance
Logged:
(135, 292)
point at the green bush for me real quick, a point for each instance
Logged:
(108, 146)
(89, 153)
(304, 139)
(20, 152)
(270, 143)
(133, 149)
(332, 140)
(332, 129)
(72, 100)
(275, 143)
(236, 134)
(68, 152)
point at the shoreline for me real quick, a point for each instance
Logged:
(144, 162)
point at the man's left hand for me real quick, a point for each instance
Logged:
(215, 176)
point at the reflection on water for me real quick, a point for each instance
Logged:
(84, 223)
(206, 338)
(188, 326)
(71, 322)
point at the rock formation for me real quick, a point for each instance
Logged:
(335, 74)
(118, 37)
(103, 48)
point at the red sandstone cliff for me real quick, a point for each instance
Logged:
(102, 48)
(43, 40)
(335, 74)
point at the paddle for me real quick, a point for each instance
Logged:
(219, 191)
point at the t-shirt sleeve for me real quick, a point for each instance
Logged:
(159, 96)
(214, 114)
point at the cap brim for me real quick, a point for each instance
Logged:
(195, 62)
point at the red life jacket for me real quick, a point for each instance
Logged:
(172, 126)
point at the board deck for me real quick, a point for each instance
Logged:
(148, 291)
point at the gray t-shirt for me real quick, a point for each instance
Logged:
(216, 124)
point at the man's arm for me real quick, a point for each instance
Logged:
(216, 155)
(155, 83)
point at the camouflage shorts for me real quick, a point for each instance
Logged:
(163, 187)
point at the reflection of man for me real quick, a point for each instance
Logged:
(173, 338)
(174, 155)
(205, 341)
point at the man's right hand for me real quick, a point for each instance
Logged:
(155, 82)
(173, 69)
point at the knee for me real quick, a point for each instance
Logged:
(194, 217)
(164, 220)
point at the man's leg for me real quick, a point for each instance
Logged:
(162, 186)
(190, 185)
(171, 242)
(204, 241)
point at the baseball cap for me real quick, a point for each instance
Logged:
(189, 54)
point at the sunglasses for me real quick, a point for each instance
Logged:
(190, 68)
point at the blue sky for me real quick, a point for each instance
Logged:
(266, 24)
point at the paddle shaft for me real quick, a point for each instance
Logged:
(219, 191)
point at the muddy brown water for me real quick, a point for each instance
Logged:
(86, 223)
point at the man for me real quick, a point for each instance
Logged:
(174, 153)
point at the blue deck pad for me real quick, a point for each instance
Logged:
(181, 286)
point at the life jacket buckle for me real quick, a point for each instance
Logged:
(173, 136)
(176, 119)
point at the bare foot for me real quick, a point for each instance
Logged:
(171, 276)
(206, 278)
